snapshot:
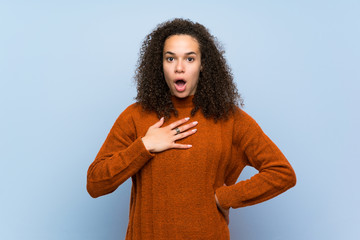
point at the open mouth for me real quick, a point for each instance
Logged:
(180, 82)
(180, 85)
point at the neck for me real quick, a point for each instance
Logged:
(182, 102)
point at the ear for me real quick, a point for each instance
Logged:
(201, 68)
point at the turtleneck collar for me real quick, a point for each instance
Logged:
(182, 102)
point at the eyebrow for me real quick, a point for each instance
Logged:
(171, 53)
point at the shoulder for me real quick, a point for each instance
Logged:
(245, 126)
(126, 116)
(135, 114)
(130, 112)
(125, 124)
(132, 109)
(243, 118)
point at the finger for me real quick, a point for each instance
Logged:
(186, 127)
(184, 134)
(181, 146)
(178, 123)
(159, 123)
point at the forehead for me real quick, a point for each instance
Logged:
(181, 43)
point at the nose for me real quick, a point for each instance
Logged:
(179, 68)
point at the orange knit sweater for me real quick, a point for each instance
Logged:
(172, 195)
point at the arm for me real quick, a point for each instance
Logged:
(121, 156)
(224, 212)
(275, 172)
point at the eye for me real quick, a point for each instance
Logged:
(169, 59)
(190, 59)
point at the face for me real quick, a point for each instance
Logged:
(182, 64)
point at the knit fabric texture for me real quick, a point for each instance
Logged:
(173, 192)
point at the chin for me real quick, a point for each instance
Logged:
(181, 95)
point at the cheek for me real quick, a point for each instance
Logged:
(167, 77)
(166, 70)
(196, 73)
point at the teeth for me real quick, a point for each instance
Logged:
(180, 82)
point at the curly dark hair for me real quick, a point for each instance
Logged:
(216, 94)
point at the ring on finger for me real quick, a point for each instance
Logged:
(177, 131)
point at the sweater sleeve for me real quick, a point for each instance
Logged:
(121, 156)
(275, 173)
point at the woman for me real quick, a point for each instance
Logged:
(184, 171)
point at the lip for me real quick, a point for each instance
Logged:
(180, 88)
(177, 79)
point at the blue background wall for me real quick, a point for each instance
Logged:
(66, 71)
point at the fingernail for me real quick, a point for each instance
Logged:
(189, 145)
(187, 118)
(196, 122)
(194, 130)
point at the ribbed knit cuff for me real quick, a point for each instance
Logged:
(224, 196)
(138, 148)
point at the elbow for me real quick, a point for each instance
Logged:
(286, 178)
(96, 190)
(93, 194)
(291, 178)
(92, 186)
(294, 180)
(92, 190)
